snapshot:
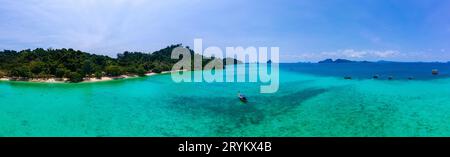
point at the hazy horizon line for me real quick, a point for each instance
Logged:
(298, 61)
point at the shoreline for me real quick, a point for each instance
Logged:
(85, 80)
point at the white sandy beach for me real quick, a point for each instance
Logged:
(64, 80)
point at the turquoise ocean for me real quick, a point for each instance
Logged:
(313, 100)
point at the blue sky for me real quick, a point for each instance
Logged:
(305, 30)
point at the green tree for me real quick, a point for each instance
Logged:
(37, 67)
(43, 75)
(60, 72)
(75, 77)
(20, 72)
(157, 69)
(98, 75)
(140, 71)
(88, 67)
(2, 74)
(113, 70)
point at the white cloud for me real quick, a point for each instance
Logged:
(361, 54)
(353, 54)
(385, 54)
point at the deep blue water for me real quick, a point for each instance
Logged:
(399, 71)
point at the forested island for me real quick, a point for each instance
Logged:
(71, 65)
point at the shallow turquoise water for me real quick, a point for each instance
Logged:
(305, 105)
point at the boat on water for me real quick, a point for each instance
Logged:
(435, 72)
(242, 97)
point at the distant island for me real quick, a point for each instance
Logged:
(69, 65)
(342, 61)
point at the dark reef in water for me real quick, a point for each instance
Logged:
(235, 115)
